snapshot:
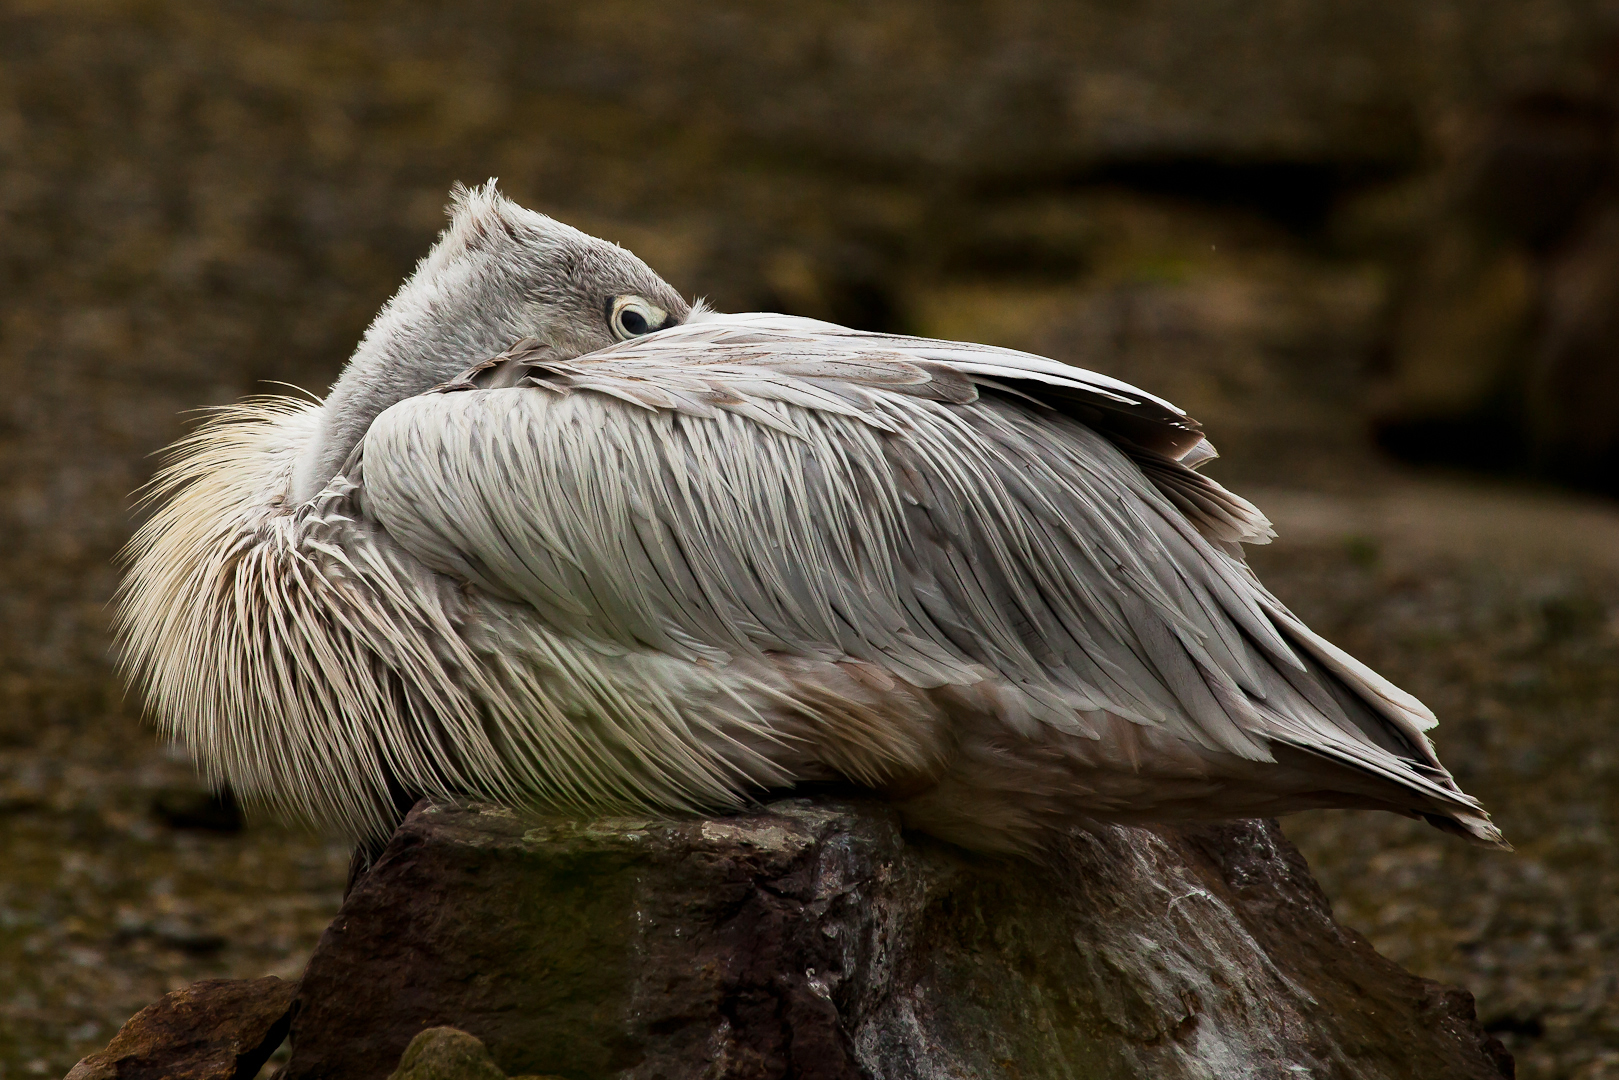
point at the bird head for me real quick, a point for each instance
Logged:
(499, 273)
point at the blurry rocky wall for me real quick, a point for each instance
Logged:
(1317, 226)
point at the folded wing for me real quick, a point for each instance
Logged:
(758, 485)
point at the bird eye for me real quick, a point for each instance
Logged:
(632, 316)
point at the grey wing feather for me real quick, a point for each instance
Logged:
(762, 485)
(823, 365)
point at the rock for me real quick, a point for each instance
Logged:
(446, 1053)
(217, 1029)
(812, 939)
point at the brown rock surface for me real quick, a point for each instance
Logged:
(217, 1029)
(812, 939)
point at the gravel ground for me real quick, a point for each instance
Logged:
(104, 907)
(1515, 644)
(1499, 609)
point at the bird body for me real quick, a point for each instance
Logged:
(557, 538)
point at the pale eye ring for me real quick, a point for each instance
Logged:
(633, 316)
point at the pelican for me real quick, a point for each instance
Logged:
(558, 539)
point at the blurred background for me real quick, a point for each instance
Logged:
(1372, 244)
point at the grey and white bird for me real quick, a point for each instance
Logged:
(557, 538)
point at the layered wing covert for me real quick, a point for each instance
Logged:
(758, 485)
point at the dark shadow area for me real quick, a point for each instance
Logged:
(1490, 444)
(1299, 196)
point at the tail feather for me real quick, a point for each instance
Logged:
(1475, 828)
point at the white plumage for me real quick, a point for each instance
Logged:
(512, 557)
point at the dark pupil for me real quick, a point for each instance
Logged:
(633, 322)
